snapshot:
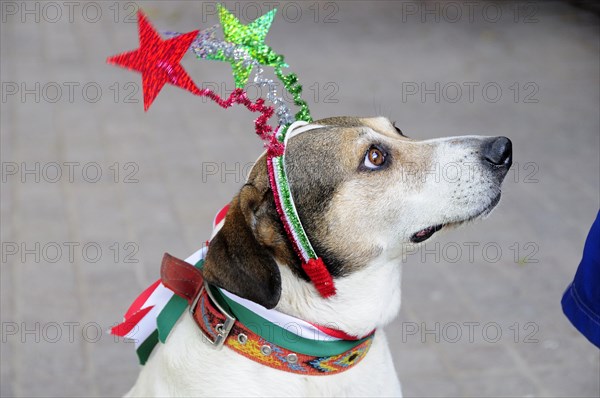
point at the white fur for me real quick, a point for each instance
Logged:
(187, 366)
(367, 298)
(356, 308)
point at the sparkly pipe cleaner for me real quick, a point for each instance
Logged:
(245, 50)
(312, 264)
(238, 96)
(158, 61)
(251, 37)
(206, 45)
(238, 54)
(203, 36)
(290, 82)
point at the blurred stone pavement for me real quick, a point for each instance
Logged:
(94, 190)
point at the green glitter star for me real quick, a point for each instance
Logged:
(251, 37)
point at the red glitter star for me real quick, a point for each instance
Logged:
(157, 60)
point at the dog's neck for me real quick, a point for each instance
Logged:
(365, 300)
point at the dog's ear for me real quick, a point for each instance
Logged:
(241, 256)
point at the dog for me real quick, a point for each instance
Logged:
(364, 193)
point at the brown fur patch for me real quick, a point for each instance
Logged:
(242, 256)
(321, 165)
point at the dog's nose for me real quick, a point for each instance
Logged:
(498, 151)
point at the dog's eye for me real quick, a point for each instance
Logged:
(374, 158)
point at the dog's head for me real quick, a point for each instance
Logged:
(363, 192)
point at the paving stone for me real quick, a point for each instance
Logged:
(549, 199)
(580, 378)
(507, 384)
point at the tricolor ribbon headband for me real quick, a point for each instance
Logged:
(243, 47)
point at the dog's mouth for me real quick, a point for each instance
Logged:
(425, 233)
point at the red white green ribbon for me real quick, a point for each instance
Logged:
(153, 314)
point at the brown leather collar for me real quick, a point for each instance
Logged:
(187, 281)
(182, 278)
(220, 328)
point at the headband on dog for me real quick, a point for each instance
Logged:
(243, 47)
(311, 263)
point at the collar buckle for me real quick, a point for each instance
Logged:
(223, 329)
